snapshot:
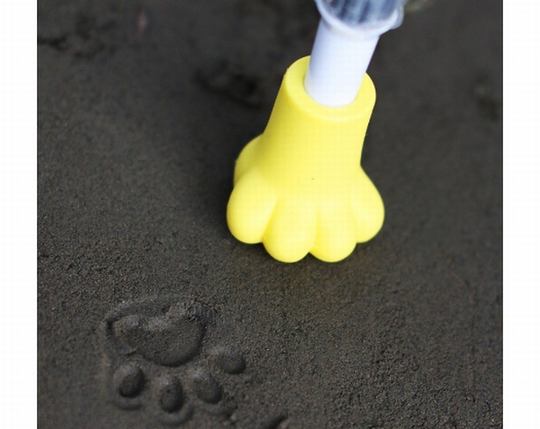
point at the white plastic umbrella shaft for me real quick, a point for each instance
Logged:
(337, 66)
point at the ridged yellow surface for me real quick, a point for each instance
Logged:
(299, 187)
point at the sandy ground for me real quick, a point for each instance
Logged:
(150, 313)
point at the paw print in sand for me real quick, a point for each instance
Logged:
(299, 187)
(157, 359)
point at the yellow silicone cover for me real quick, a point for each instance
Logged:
(299, 186)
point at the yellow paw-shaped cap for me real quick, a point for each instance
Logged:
(299, 187)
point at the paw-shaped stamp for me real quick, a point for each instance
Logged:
(161, 357)
(299, 187)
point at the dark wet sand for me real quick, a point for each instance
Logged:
(143, 107)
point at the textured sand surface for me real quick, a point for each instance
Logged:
(150, 313)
